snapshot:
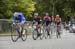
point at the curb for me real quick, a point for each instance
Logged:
(5, 34)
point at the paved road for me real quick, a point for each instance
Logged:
(66, 42)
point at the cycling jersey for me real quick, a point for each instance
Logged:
(37, 20)
(47, 20)
(58, 21)
(20, 19)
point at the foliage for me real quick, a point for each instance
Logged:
(62, 7)
(8, 7)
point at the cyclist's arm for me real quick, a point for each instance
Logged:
(22, 19)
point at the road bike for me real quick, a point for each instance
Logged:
(18, 32)
(37, 31)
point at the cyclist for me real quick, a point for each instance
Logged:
(37, 20)
(47, 22)
(19, 18)
(57, 20)
(47, 19)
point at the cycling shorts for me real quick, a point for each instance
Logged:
(48, 23)
(57, 23)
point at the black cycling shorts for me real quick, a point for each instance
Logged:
(48, 23)
(57, 23)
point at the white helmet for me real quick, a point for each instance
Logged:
(17, 13)
(47, 13)
(35, 14)
(57, 15)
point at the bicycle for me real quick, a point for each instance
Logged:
(58, 33)
(37, 32)
(47, 31)
(18, 32)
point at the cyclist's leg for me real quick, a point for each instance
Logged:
(58, 29)
(17, 28)
(59, 26)
(37, 27)
(48, 27)
(22, 26)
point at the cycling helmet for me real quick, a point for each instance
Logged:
(57, 15)
(47, 14)
(35, 14)
(17, 14)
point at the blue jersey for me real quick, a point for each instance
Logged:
(22, 19)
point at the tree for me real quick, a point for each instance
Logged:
(62, 7)
(8, 7)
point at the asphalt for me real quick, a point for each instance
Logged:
(67, 41)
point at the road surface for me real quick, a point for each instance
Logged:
(67, 41)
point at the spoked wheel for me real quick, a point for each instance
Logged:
(35, 34)
(58, 34)
(41, 34)
(45, 34)
(14, 34)
(24, 35)
(49, 34)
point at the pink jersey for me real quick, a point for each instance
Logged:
(47, 17)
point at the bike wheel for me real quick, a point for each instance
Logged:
(41, 34)
(50, 34)
(35, 34)
(14, 34)
(24, 35)
(58, 34)
(45, 34)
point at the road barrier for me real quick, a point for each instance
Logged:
(6, 25)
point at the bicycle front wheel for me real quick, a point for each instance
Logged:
(14, 34)
(58, 33)
(35, 34)
(24, 35)
(42, 34)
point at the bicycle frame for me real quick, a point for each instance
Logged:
(18, 29)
